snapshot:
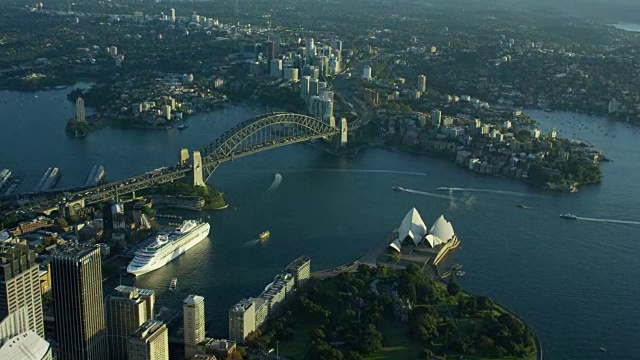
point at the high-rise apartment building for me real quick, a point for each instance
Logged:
(366, 73)
(80, 116)
(194, 333)
(422, 83)
(300, 268)
(242, 320)
(150, 341)
(20, 286)
(78, 303)
(436, 118)
(127, 308)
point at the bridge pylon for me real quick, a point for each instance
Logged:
(184, 156)
(342, 140)
(198, 179)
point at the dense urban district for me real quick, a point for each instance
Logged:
(425, 78)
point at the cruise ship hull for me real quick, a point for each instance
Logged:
(200, 234)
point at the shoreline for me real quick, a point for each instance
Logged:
(554, 187)
(353, 265)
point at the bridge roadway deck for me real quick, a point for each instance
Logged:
(129, 185)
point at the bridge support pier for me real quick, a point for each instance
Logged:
(184, 156)
(198, 179)
(342, 140)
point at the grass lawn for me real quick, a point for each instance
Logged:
(396, 343)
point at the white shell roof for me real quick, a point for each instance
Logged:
(441, 232)
(413, 227)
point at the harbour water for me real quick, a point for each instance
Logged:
(573, 280)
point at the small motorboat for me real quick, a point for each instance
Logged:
(173, 284)
(264, 235)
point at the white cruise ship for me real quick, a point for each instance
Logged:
(167, 247)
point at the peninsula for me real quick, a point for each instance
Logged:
(383, 313)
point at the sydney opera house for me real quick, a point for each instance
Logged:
(412, 230)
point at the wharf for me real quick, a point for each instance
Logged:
(168, 216)
(11, 185)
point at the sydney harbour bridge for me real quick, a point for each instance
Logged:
(264, 132)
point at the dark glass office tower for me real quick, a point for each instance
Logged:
(76, 274)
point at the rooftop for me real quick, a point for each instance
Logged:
(75, 252)
(193, 300)
(297, 263)
(147, 329)
(27, 345)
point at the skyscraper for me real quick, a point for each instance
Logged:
(173, 14)
(79, 312)
(127, 308)
(193, 313)
(276, 68)
(305, 85)
(311, 48)
(276, 45)
(80, 110)
(150, 341)
(436, 118)
(422, 83)
(270, 51)
(20, 286)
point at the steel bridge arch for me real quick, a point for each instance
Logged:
(229, 143)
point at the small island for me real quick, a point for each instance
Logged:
(182, 195)
(384, 313)
(78, 126)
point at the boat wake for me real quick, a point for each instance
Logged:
(439, 196)
(367, 171)
(491, 191)
(276, 182)
(251, 243)
(628, 222)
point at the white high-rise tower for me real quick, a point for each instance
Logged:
(193, 312)
(80, 116)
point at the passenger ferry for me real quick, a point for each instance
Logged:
(264, 235)
(569, 216)
(167, 247)
(174, 283)
(398, 188)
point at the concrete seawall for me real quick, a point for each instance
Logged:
(535, 335)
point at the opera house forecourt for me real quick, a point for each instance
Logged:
(413, 231)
